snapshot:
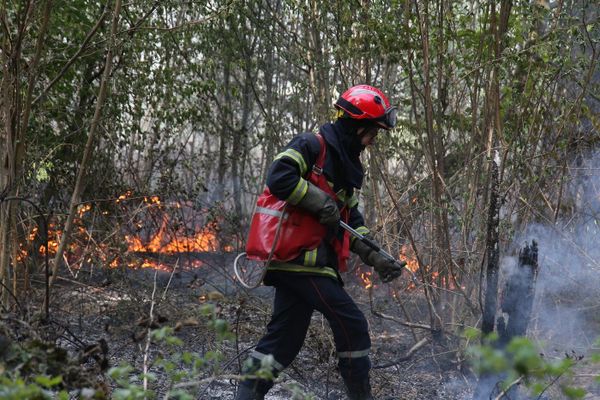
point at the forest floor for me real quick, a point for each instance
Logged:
(101, 318)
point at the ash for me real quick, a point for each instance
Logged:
(119, 306)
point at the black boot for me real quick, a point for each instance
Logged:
(247, 391)
(359, 389)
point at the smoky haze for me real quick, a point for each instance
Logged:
(566, 314)
(565, 319)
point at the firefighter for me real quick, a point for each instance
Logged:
(312, 281)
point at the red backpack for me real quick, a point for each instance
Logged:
(271, 238)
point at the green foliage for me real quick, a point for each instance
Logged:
(522, 360)
(128, 386)
(43, 387)
(184, 371)
(35, 369)
(220, 326)
(200, 87)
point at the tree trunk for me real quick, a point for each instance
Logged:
(79, 184)
(225, 131)
(14, 115)
(440, 250)
(518, 295)
(493, 255)
(494, 130)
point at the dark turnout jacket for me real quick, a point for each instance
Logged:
(344, 173)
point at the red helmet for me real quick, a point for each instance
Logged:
(369, 103)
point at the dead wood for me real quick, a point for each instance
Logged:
(407, 356)
(518, 295)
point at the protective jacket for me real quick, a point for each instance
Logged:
(344, 174)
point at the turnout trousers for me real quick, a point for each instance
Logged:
(296, 297)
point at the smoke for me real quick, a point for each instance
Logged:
(567, 302)
(565, 319)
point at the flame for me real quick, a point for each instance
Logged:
(124, 196)
(367, 278)
(408, 256)
(174, 242)
(168, 239)
(32, 234)
(171, 238)
(21, 253)
(83, 208)
(54, 235)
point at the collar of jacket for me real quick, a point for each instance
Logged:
(342, 138)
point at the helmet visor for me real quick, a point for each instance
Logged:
(389, 118)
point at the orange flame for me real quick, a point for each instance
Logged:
(82, 209)
(367, 278)
(124, 196)
(174, 242)
(408, 256)
(166, 240)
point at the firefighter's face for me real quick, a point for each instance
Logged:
(368, 135)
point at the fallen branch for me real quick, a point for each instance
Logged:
(164, 296)
(505, 391)
(406, 356)
(401, 322)
(210, 379)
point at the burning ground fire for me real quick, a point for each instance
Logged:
(156, 230)
(407, 255)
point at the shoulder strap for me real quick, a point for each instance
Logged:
(318, 166)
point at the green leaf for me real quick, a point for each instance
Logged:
(207, 310)
(187, 358)
(574, 393)
(472, 333)
(537, 388)
(174, 341)
(64, 395)
(47, 381)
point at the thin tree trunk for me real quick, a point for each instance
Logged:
(76, 197)
(493, 255)
(429, 292)
(440, 249)
(241, 144)
(494, 129)
(225, 131)
(15, 115)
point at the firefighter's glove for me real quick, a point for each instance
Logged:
(362, 249)
(322, 205)
(387, 269)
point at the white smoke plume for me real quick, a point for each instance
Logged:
(565, 319)
(566, 312)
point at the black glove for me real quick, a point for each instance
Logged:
(322, 205)
(387, 269)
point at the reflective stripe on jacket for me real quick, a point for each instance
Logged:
(285, 180)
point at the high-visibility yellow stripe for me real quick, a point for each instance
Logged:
(260, 356)
(310, 258)
(352, 201)
(298, 192)
(289, 267)
(363, 230)
(354, 354)
(297, 157)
